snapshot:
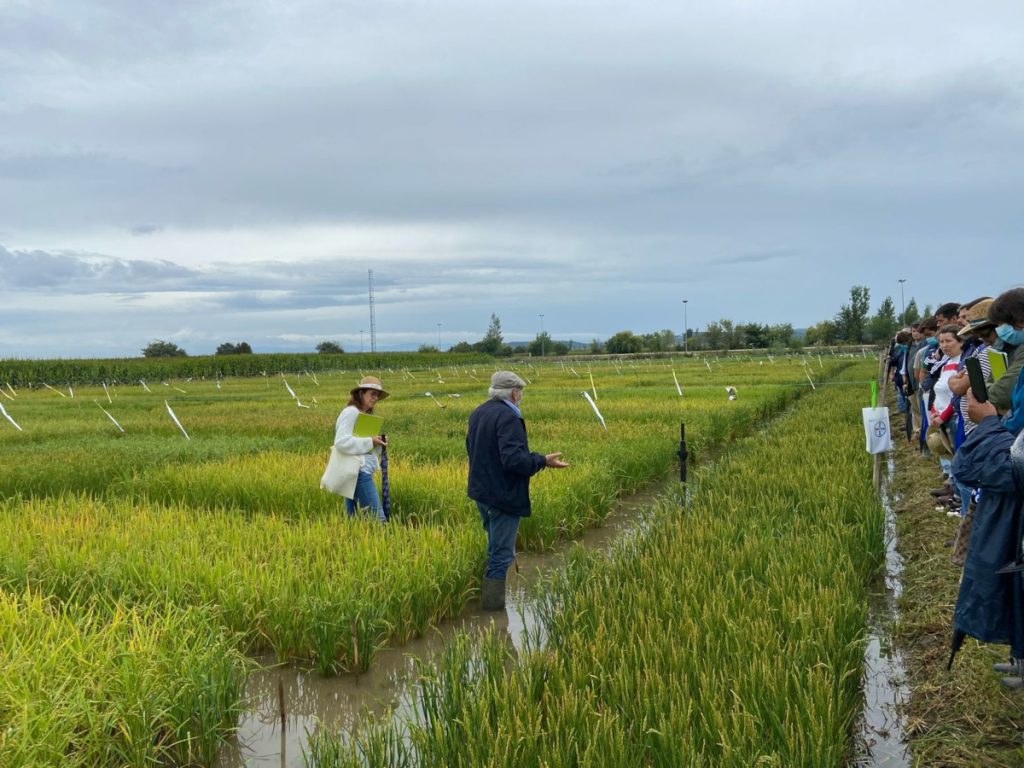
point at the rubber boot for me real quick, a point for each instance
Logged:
(492, 595)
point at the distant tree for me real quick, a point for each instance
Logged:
(851, 320)
(662, 341)
(160, 348)
(623, 343)
(541, 345)
(492, 343)
(927, 312)
(723, 335)
(883, 325)
(753, 335)
(427, 348)
(596, 347)
(242, 348)
(462, 346)
(329, 348)
(911, 314)
(780, 336)
(824, 332)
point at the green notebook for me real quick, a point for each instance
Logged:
(997, 362)
(367, 425)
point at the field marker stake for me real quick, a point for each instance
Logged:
(107, 393)
(145, 387)
(8, 417)
(597, 412)
(176, 420)
(108, 415)
(57, 391)
(678, 388)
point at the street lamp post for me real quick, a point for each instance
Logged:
(686, 328)
(361, 341)
(438, 337)
(542, 335)
(903, 317)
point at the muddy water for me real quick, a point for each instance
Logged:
(881, 740)
(312, 702)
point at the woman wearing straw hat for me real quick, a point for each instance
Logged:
(364, 397)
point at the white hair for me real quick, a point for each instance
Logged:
(501, 393)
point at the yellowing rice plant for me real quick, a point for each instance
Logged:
(232, 519)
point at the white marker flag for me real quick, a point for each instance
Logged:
(708, 365)
(290, 391)
(12, 389)
(678, 388)
(176, 420)
(592, 387)
(107, 392)
(144, 386)
(810, 379)
(109, 416)
(57, 391)
(8, 417)
(596, 412)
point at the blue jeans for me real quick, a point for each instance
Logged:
(501, 539)
(365, 497)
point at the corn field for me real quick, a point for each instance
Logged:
(141, 568)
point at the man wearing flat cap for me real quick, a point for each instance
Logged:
(500, 468)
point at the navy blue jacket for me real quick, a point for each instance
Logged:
(991, 606)
(500, 462)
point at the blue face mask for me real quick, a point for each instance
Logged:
(932, 341)
(1010, 335)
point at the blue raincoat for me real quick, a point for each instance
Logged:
(990, 606)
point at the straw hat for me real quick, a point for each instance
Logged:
(977, 319)
(369, 382)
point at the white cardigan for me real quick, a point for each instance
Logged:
(348, 455)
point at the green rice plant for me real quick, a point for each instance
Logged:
(97, 685)
(729, 631)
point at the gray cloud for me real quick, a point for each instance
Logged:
(604, 160)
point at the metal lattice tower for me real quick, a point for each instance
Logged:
(373, 319)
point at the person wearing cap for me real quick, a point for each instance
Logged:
(364, 451)
(500, 467)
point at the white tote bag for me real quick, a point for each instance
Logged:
(876, 429)
(341, 474)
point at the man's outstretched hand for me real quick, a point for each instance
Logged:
(552, 460)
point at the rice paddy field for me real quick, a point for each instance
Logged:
(141, 571)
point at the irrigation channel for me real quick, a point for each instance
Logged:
(881, 739)
(310, 701)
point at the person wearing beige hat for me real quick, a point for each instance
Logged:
(362, 454)
(500, 467)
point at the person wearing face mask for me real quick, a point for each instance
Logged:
(1007, 394)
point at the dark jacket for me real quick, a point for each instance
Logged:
(991, 606)
(500, 462)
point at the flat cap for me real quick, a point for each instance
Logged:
(506, 380)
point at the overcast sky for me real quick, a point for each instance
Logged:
(204, 171)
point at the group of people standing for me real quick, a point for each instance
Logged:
(978, 438)
(500, 467)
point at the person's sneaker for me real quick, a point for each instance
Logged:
(1005, 667)
(953, 513)
(945, 490)
(1013, 681)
